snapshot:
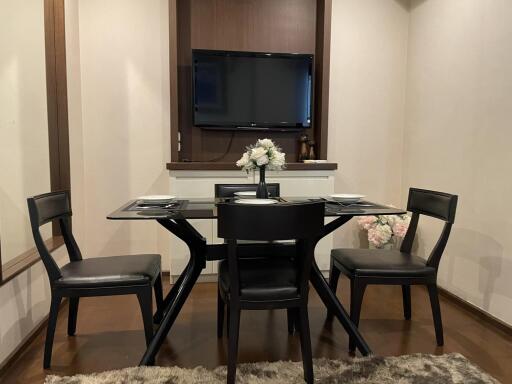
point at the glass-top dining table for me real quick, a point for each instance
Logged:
(174, 217)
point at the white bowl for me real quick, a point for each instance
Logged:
(256, 201)
(347, 197)
(245, 194)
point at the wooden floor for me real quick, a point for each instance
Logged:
(110, 336)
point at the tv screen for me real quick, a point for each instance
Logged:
(247, 90)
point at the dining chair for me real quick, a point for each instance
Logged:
(268, 283)
(229, 190)
(102, 276)
(399, 267)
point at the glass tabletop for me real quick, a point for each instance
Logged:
(205, 208)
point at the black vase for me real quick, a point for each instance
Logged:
(262, 191)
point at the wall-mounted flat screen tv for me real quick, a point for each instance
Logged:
(250, 90)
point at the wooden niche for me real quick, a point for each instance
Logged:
(288, 26)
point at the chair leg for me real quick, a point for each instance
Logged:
(436, 313)
(406, 297)
(228, 313)
(357, 289)
(305, 344)
(50, 330)
(73, 315)
(159, 294)
(334, 276)
(220, 314)
(234, 327)
(146, 307)
(290, 315)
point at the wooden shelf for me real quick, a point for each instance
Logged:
(203, 166)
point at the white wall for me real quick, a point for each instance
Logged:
(457, 139)
(24, 165)
(24, 148)
(119, 118)
(367, 100)
(24, 304)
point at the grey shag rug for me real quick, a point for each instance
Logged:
(409, 369)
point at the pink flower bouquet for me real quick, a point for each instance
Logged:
(382, 229)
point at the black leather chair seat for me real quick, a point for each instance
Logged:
(389, 263)
(110, 271)
(263, 279)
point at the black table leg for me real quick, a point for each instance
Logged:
(174, 301)
(170, 297)
(334, 306)
(329, 298)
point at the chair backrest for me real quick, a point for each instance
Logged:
(439, 205)
(270, 222)
(301, 222)
(229, 190)
(44, 209)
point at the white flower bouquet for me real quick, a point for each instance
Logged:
(262, 154)
(382, 229)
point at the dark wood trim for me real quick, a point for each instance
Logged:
(21, 263)
(58, 127)
(27, 341)
(173, 78)
(57, 98)
(476, 311)
(57, 103)
(322, 64)
(204, 166)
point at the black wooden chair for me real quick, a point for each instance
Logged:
(266, 283)
(393, 267)
(229, 190)
(105, 276)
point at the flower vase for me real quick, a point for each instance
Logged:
(397, 242)
(262, 191)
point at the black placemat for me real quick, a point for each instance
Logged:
(142, 206)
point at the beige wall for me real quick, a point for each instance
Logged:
(119, 118)
(24, 305)
(24, 165)
(24, 152)
(367, 100)
(457, 139)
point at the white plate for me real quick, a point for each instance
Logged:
(157, 198)
(245, 194)
(257, 201)
(347, 197)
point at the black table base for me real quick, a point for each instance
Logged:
(175, 299)
(200, 252)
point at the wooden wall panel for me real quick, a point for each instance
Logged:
(173, 77)
(289, 26)
(322, 72)
(254, 25)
